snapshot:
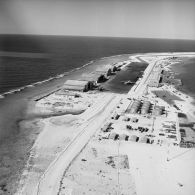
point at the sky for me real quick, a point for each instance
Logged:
(174, 19)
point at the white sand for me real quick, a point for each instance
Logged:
(155, 175)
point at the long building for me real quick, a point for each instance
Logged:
(145, 107)
(134, 107)
(154, 78)
(77, 85)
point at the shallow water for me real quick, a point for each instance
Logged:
(186, 72)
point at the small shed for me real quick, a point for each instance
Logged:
(106, 127)
(115, 116)
(144, 139)
(134, 120)
(134, 138)
(113, 136)
(123, 137)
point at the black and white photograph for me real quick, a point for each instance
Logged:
(97, 97)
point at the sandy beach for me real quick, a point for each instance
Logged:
(59, 138)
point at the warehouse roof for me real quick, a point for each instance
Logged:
(76, 82)
(74, 87)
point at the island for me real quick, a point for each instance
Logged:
(96, 141)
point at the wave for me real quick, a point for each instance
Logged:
(75, 69)
(13, 91)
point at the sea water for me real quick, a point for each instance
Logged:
(186, 72)
(27, 60)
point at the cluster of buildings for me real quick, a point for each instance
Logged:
(90, 80)
(144, 107)
(167, 132)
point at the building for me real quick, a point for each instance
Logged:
(134, 107)
(123, 137)
(113, 136)
(144, 139)
(155, 76)
(158, 110)
(77, 85)
(145, 107)
(134, 138)
(134, 120)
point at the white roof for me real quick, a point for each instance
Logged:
(76, 82)
(74, 87)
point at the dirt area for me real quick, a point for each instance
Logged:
(65, 101)
(99, 169)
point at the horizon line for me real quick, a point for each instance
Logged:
(187, 39)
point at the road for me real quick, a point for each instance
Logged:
(138, 89)
(49, 182)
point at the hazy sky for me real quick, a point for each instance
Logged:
(128, 18)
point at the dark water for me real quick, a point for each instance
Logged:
(131, 72)
(186, 72)
(26, 59)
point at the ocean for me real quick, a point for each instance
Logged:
(186, 71)
(31, 59)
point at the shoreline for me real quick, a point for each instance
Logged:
(58, 76)
(31, 93)
(19, 106)
(181, 71)
(52, 85)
